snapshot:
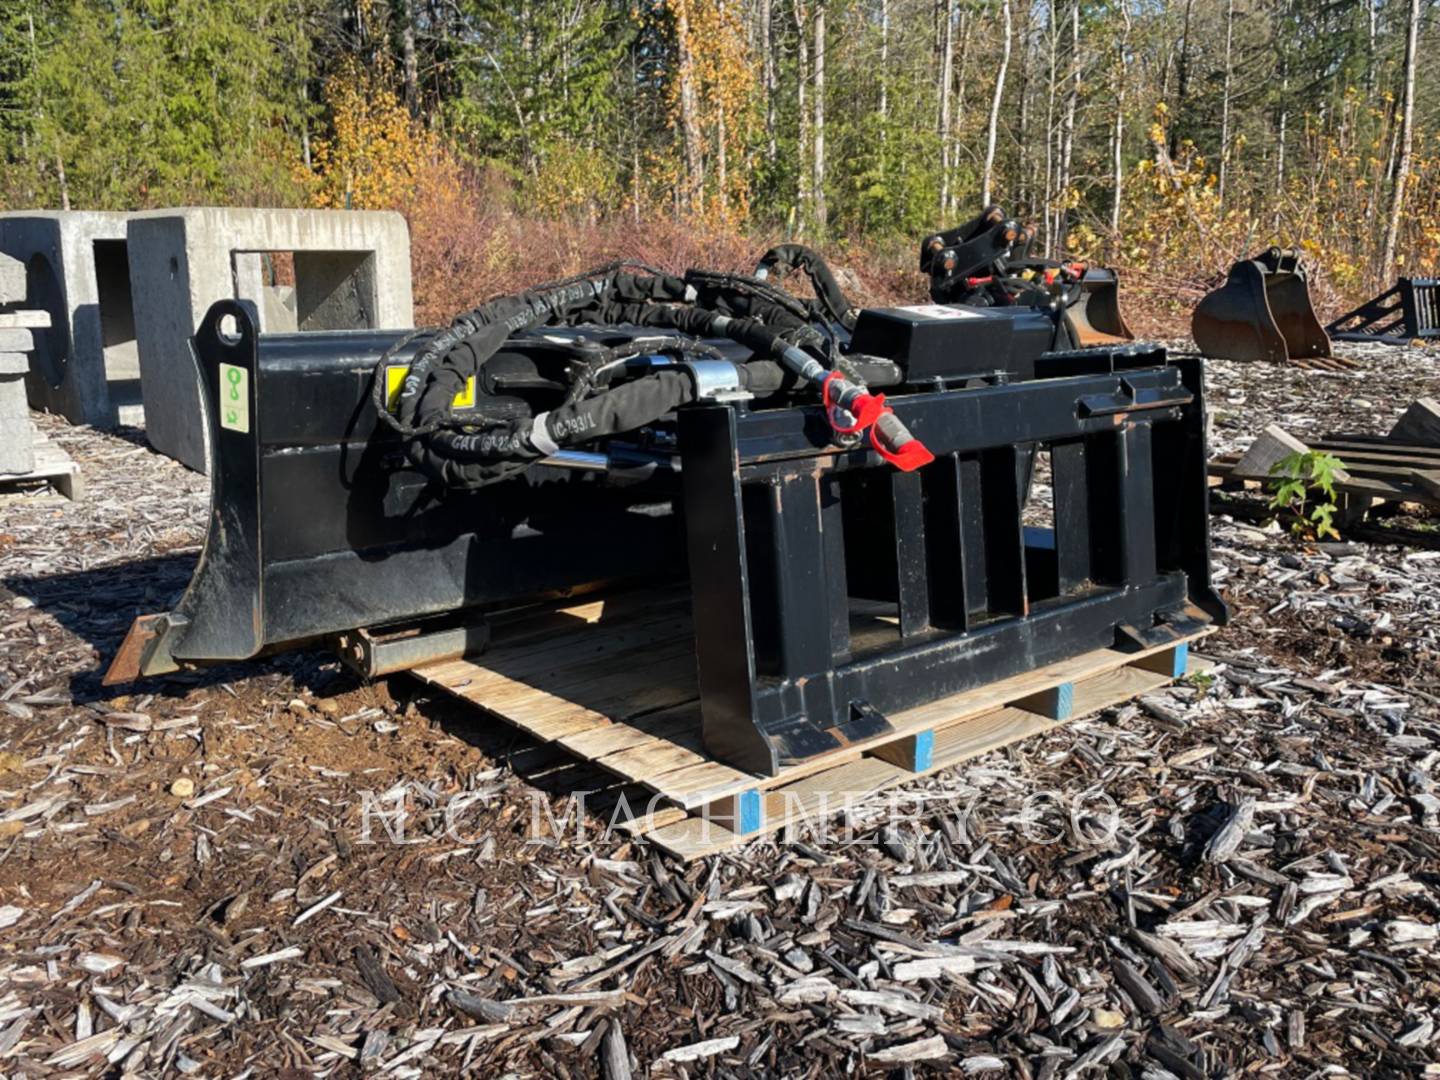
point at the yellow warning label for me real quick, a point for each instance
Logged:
(234, 398)
(395, 380)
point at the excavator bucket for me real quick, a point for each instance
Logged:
(1095, 316)
(1262, 312)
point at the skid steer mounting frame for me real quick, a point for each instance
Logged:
(1409, 311)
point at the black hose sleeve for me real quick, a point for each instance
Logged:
(822, 278)
(629, 406)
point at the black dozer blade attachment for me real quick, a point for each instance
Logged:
(830, 590)
(318, 528)
(1262, 312)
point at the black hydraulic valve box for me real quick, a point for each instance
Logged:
(949, 343)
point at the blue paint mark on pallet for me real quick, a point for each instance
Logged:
(749, 812)
(1064, 701)
(924, 750)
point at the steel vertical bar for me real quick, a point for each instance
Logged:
(909, 524)
(1004, 532)
(1135, 483)
(1070, 484)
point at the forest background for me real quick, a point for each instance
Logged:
(527, 139)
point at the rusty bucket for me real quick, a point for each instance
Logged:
(1262, 312)
(1095, 316)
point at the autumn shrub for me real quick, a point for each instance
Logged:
(1179, 238)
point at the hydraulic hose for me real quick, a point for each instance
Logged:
(787, 257)
(755, 314)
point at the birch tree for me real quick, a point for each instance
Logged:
(1407, 140)
(992, 132)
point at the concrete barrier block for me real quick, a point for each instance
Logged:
(352, 271)
(73, 266)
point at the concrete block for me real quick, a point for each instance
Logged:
(12, 280)
(34, 320)
(17, 339)
(14, 363)
(17, 440)
(12, 398)
(74, 268)
(352, 271)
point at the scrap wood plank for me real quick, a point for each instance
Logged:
(583, 684)
(1271, 447)
(675, 724)
(1220, 468)
(1380, 450)
(1420, 424)
(543, 620)
(603, 702)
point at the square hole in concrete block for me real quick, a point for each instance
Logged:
(117, 324)
(308, 290)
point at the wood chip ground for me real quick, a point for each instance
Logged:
(1236, 875)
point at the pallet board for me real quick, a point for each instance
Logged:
(830, 791)
(612, 681)
(1376, 468)
(53, 466)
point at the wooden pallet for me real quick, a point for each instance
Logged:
(612, 681)
(1377, 468)
(53, 466)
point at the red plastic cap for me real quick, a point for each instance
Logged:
(907, 458)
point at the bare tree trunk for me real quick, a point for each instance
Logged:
(1370, 58)
(1407, 142)
(988, 176)
(305, 125)
(767, 62)
(818, 178)
(884, 62)
(689, 112)
(802, 112)
(1117, 163)
(411, 65)
(1182, 81)
(1050, 132)
(947, 65)
(1225, 98)
(957, 97)
(722, 178)
(1281, 139)
(1072, 101)
(1026, 188)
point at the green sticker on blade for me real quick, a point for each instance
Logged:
(234, 398)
